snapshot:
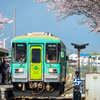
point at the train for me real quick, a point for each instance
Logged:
(38, 65)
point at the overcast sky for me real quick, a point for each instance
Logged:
(32, 17)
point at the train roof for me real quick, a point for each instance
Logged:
(37, 38)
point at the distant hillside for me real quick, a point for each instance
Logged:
(89, 49)
(70, 50)
(92, 48)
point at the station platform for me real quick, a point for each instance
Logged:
(6, 92)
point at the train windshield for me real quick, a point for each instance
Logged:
(19, 52)
(53, 52)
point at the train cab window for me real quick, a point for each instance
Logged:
(19, 52)
(53, 52)
(36, 56)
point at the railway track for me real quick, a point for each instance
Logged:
(3, 93)
(69, 87)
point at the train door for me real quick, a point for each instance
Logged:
(36, 63)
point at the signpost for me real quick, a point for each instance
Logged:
(77, 81)
(76, 91)
(79, 47)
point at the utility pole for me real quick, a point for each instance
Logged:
(14, 34)
(82, 68)
(79, 60)
(91, 64)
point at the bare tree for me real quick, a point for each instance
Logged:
(89, 8)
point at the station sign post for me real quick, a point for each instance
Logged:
(79, 47)
(76, 91)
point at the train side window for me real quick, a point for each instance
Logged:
(13, 51)
(64, 59)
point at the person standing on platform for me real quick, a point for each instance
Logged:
(4, 72)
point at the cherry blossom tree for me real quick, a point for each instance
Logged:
(4, 21)
(89, 9)
(2, 44)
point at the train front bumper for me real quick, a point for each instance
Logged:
(47, 77)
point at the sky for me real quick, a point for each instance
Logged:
(32, 17)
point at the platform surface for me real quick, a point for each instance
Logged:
(6, 87)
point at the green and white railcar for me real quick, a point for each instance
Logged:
(38, 63)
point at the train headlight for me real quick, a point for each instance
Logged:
(50, 70)
(21, 70)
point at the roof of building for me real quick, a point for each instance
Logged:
(83, 54)
(71, 61)
(3, 52)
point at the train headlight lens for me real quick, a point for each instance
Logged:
(50, 70)
(21, 70)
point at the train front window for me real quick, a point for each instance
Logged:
(53, 52)
(19, 52)
(36, 56)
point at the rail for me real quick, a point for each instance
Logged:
(68, 87)
(7, 88)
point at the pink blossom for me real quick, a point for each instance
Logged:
(89, 8)
(1, 26)
(4, 21)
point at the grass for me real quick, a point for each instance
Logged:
(69, 92)
(86, 69)
(71, 69)
(69, 82)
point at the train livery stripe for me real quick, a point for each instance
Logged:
(36, 63)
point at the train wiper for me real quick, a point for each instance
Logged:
(21, 64)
